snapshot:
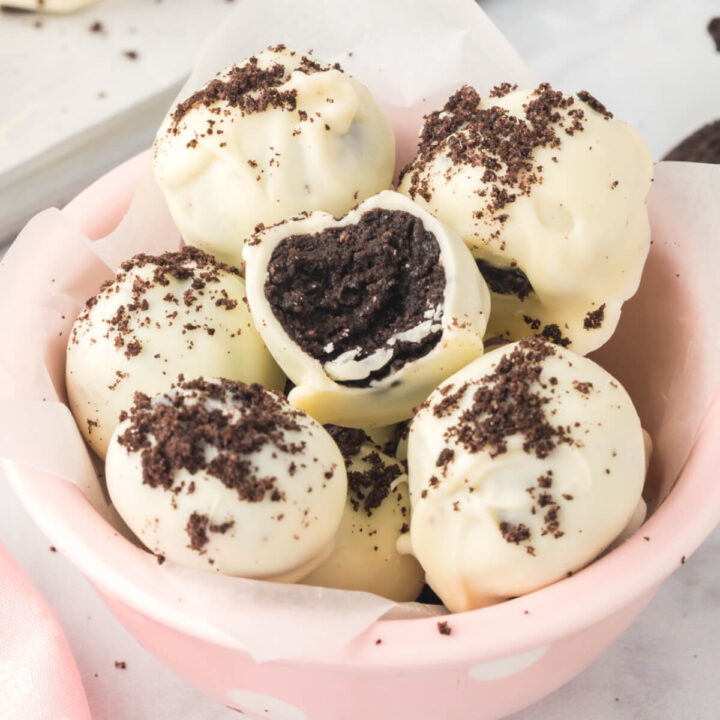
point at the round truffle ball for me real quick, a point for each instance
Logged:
(180, 312)
(228, 477)
(366, 314)
(548, 191)
(523, 467)
(377, 515)
(279, 134)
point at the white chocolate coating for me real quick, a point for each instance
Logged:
(391, 398)
(181, 331)
(487, 526)
(365, 556)
(224, 170)
(580, 235)
(275, 538)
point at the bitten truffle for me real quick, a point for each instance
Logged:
(180, 312)
(523, 467)
(228, 477)
(279, 134)
(366, 314)
(548, 191)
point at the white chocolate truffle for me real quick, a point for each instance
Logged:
(549, 193)
(279, 134)
(377, 515)
(180, 312)
(523, 467)
(366, 314)
(228, 477)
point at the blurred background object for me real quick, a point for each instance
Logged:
(84, 91)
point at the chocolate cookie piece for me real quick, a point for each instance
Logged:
(702, 146)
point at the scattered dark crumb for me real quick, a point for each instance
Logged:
(54, 549)
(378, 641)
(120, 664)
(131, 54)
(97, 27)
(444, 628)
(714, 30)
(683, 559)
(526, 612)
(6, 10)
(160, 559)
(645, 537)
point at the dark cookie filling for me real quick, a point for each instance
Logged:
(702, 146)
(505, 281)
(173, 433)
(355, 287)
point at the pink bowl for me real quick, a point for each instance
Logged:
(496, 661)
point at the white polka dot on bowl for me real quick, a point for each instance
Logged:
(508, 666)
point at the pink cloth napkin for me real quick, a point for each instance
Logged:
(38, 676)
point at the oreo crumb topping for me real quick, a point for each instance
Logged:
(248, 88)
(583, 387)
(198, 526)
(502, 90)
(353, 288)
(595, 104)
(514, 533)
(496, 140)
(400, 433)
(505, 281)
(553, 334)
(505, 405)
(174, 431)
(444, 628)
(190, 263)
(445, 457)
(595, 318)
(349, 440)
(367, 489)
(544, 503)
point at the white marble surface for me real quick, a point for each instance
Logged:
(654, 65)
